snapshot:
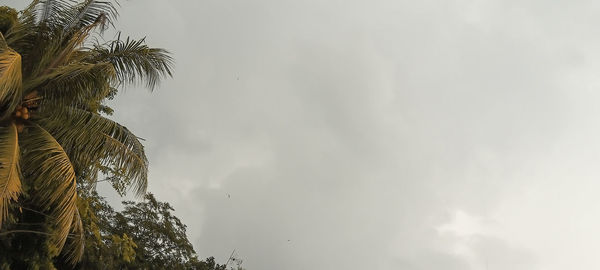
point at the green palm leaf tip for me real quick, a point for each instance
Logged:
(53, 178)
(87, 12)
(10, 182)
(135, 62)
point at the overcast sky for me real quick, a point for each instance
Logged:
(417, 135)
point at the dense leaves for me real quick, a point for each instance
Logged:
(145, 235)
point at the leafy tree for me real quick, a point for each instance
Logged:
(55, 76)
(145, 235)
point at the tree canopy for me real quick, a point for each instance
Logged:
(144, 235)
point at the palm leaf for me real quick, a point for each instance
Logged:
(62, 49)
(51, 12)
(88, 12)
(77, 82)
(135, 62)
(18, 36)
(29, 11)
(76, 244)
(10, 182)
(52, 177)
(10, 79)
(46, 9)
(92, 139)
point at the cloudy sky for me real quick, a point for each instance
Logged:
(377, 134)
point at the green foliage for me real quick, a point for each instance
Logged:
(145, 235)
(124, 247)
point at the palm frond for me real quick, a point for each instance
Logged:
(75, 82)
(29, 11)
(47, 166)
(60, 50)
(19, 35)
(88, 12)
(76, 243)
(50, 11)
(92, 138)
(46, 9)
(135, 62)
(10, 182)
(3, 43)
(10, 79)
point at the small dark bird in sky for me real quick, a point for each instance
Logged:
(228, 196)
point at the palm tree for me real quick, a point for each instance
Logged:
(55, 75)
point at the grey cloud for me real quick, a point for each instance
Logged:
(349, 129)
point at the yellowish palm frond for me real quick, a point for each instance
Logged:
(10, 181)
(52, 178)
